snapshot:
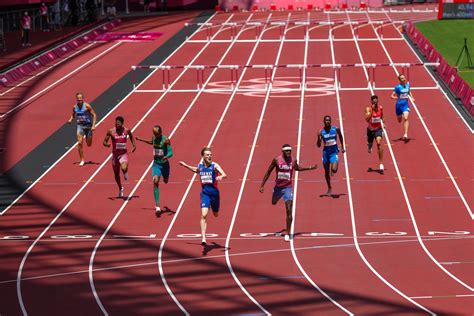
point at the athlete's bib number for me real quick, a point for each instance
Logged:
(284, 176)
(330, 142)
(404, 96)
(121, 145)
(376, 120)
(206, 179)
(159, 152)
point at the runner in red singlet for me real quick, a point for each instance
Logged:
(374, 117)
(119, 134)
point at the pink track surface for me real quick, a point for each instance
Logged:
(385, 245)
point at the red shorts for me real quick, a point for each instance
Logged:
(118, 160)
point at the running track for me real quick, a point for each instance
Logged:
(397, 243)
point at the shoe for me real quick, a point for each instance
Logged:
(381, 168)
(287, 237)
(120, 195)
(329, 192)
(405, 138)
(157, 210)
(203, 243)
(81, 163)
(125, 176)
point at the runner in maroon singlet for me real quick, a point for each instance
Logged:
(119, 134)
(284, 165)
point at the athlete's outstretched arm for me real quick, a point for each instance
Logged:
(191, 168)
(300, 168)
(130, 135)
(272, 166)
(107, 138)
(339, 134)
(149, 142)
(222, 174)
(320, 139)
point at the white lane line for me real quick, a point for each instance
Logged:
(160, 253)
(251, 253)
(349, 189)
(22, 104)
(402, 184)
(118, 213)
(62, 60)
(23, 261)
(298, 151)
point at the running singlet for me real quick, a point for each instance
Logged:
(329, 138)
(375, 119)
(83, 117)
(159, 149)
(207, 176)
(119, 142)
(284, 172)
(402, 93)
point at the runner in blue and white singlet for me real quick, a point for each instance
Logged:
(402, 94)
(86, 119)
(209, 173)
(328, 136)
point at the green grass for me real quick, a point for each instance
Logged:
(447, 36)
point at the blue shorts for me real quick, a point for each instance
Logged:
(210, 199)
(161, 169)
(286, 193)
(84, 130)
(401, 108)
(330, 155)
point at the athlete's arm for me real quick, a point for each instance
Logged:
(169, 154)
(368, 114)
(107, 137)
(222, 174)
(191, 168)
(130, 135)
(72, 116)
(320, 139)
(394, 93)
(149, 142)
(341, 139)
(272, 166)
(94, 116)
(411, 96)
(299, 168)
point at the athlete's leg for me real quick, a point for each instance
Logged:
(80, 140)
(156, 191)
(370, 140)
(334, 167)
(89, 137)
(289, 215)
(405, 124)
(378, 139)
(327, 177)
(204, 212)
(165, 172)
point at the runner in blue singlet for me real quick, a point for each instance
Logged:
(328, 135)
(402, 94)
(86, 119)
(209, 174)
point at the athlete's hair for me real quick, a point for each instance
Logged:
(158, 127)
(327, 116)
(204, 150)
(120, 118)
(79, 93)
(400, 75)
(374, 97)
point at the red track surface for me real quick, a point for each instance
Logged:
(387, 272)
